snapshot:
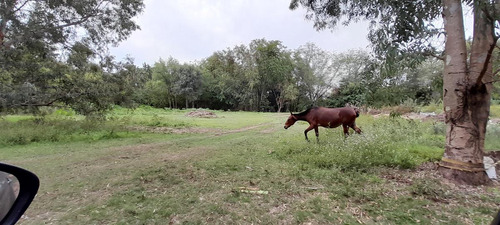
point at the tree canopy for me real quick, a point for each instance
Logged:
(51, 50)
(396, 27)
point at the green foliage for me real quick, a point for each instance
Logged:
(257, 77)
(49, 50)
(57, 129)
(373, 87)
(495, 111)
(155, 93)
(187, 82)
(315, 71)
(64, 112)
(352, 94)
(492, 134)
(401, 38)
(228, 84)
(433, 107)
(399, 29)
(59, 22)
(274, 66)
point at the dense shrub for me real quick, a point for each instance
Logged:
(56, 129)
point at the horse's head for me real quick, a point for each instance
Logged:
(290, 121)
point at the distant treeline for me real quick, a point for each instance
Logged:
(261, 76)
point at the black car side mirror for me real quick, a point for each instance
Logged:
(496, 221)
(18, 187)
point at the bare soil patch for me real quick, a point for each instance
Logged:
(194, 130)
(241, 129)
(171, 130)
(494, 121)
(201, 114)
(424, 116)
(412, 116)
(429, 171)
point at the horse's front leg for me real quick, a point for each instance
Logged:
(307, 130)
(355, 128)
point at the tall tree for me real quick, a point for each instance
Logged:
(37, 35)
(274, 66)
(321, 68)
(188, 83)
(160, 87)
(402, 31)
(226, 81)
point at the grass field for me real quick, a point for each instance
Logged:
(156, 166)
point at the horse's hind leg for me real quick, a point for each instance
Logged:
(346, 130)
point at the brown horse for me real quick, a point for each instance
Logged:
(326, 117)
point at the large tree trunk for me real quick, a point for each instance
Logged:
(465, 96)
(279, 100)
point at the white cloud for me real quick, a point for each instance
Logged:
(190, 30)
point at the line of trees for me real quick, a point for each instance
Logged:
(266, 76)
(261, 76)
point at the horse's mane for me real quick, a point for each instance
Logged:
(305, 112)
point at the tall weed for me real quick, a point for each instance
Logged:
(434, 106)
(492, 141)
(390, 142)
(54, 130)
(495, 111)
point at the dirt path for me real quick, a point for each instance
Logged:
(194, 130)
(97, 174)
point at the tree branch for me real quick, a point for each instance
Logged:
(76, 22)
(496, 72)
(40, 104)
(493, 81)
(488, 59)
(21, 6)
(490, 50)
(440, 57)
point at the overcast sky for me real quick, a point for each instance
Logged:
(190, 30)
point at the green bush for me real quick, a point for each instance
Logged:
(56, 129)
(492, 133)
(435, 107)
(65, 112)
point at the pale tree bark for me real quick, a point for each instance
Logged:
(466, 94)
